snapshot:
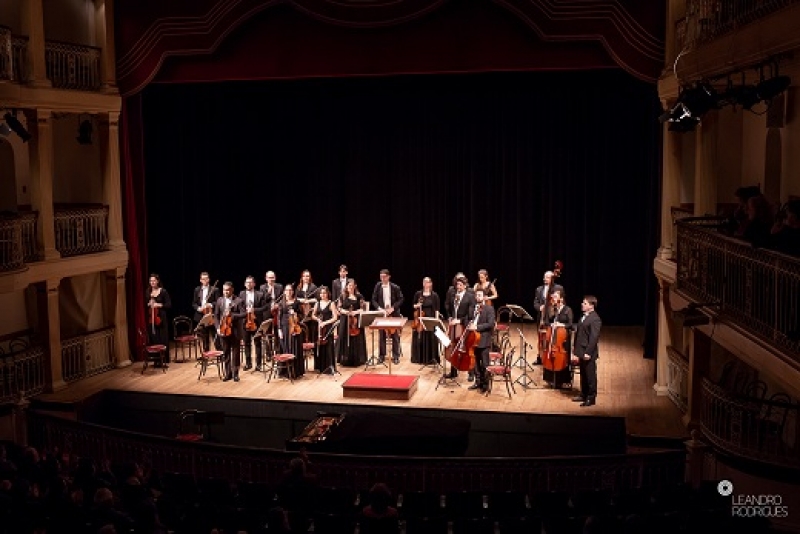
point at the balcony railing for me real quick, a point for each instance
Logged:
(757, 290)
(81, 230)
(19, 58)
(753, 428)
(87, 355)
(650, 470)
(11, 256)
(71, 66)
(708, 19)
(678, 379)
(21, 371)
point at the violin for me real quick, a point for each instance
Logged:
(294, 325)
(155, 317)
(417, 324)
(250, 322)
(207, 306)
(352, 326)
(226, 324)
(306, 306)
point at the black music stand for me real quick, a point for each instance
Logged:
(524, 380)
(365, 319)
(263, 334)
(429, 324)
(520, 313)
(332, 366)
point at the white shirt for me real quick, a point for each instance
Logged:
(250, 296)
(387, 295)
(203, 295)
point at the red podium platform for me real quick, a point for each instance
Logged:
(376, 386)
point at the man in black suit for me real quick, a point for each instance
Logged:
(541, 302)
(388, 297)
(339, 284)
(203, 303)
(271, 289)
(256, 302)
(585, 353)
(459, 307)
(230, 305)
(483, 322)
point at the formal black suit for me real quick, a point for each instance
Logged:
(260, 308)
(396, 297)
(204, 333)
(336, 288)
(268, 296)
(485, 325)
(586, 339)
(540, 299)
(230, 344)
(463, 311)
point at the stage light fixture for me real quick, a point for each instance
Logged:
(85, 132)
(5, 131)
(769, 89)
(700, 99)
(17, 127)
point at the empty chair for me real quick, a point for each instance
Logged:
(465, 504)
(504, 504)
(156, 354)
(421, 504)
(427, 525)
(591, 502)
(551, 504)
(184, 337)
(331, 523)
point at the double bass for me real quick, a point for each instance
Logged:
(543, 339)
(463, 356)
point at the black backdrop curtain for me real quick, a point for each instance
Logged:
(423, 175)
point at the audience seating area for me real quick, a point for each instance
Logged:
(59, 493)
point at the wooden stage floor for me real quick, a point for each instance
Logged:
(625, 387)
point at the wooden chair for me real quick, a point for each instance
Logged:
(184, 337)
(501, 372)
(502, 326)
(208, 358)
(152, 353)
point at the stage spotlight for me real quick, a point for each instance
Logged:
(85, 133)
(700, 99)
(5, 131)
(684, 125)
(17, 127)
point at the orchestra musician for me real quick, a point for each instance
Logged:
(585, 355)
(388, 297)
(255, 302)
(306, 294)
(451, 291)
(325, 314)
(460, 308)
(291, 313)
(424, 345)
(352, 339)
(157, 303)
(483, 322)
(228, 305)
(541, 302)
(488, 287)
(273, 292)
(338, 285)
(203, 302)
(560, 317)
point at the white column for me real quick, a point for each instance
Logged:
(115, 281)
(112, 194)
(705, 179)
(33, 27)
(661, 386)
(104, 39)
(40, 125)
(670, 190)
(50, 320)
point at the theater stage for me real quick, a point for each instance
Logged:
(625, 388)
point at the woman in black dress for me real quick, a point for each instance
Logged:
(325, 314)
(157, 303)
(352, 341)
(291, 333)
(424, 345)
(488, 287)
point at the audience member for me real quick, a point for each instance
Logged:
(379, 516)
(785, 236)
(297, 492)
(756, 228)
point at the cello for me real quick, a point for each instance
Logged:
(543, 334)
(463, 356)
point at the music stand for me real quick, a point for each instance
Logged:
(429, 324)
(444, 342)
(365, 319)
(522, 315)
(386, 324)
(332, 366)
(524, 380)
(266, 343)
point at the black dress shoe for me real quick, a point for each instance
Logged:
(226, 379)
(475, 386)
(588, 402)
(538, 361)
(235, 378)
(396, 361)
(470, 377)
(579, 398)
(248, 367)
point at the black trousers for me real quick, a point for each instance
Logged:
(481, 363)
(249, 337)
(231, 356)
(395, 344)
(588, 378)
